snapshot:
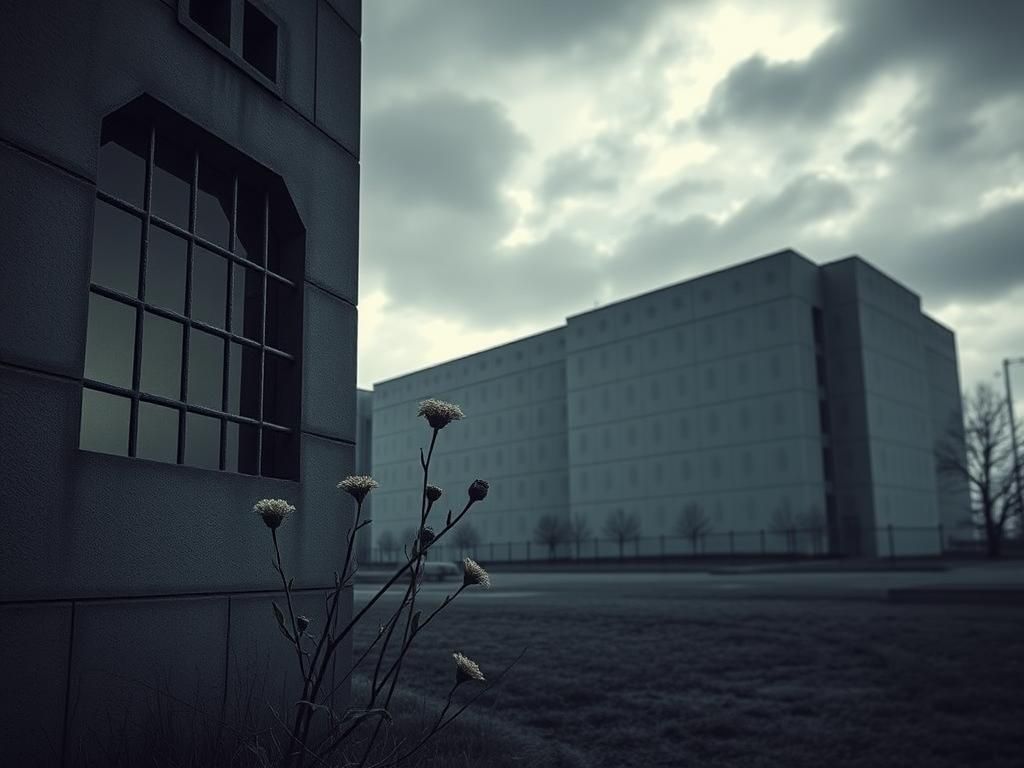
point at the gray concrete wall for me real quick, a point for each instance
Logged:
(884, 431)
(703, 392)
(946, 414)
(717, 391)
(133, 566)
(364, 466)
(513, 436)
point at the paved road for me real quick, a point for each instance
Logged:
(838, 585)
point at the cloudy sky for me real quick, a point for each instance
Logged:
(524, 160)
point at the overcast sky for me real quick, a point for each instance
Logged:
(525, 159)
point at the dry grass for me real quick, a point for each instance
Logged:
(630, 679)
(173, 734)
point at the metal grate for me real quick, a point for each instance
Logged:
(256, 412)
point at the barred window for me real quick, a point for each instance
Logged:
(195, 311)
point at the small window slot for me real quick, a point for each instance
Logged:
(259, 41)
(214, 16)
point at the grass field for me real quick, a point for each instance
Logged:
(631, 679)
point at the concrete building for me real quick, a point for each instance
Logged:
(788, 406)
(178, 262)
(364, 456)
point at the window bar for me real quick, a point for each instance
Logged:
(265, 245)
(174, 229)
(213, 330)
(133, 414)
(225, 378)
(189, 258)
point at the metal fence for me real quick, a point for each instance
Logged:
(886, 541)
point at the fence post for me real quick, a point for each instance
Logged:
(892, 544)
(732, 542)
(595, 548)
(636, 547)
(763, 550)
(942, 540)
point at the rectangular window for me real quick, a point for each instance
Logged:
(259, 41)
(243, 31)
(189, 333)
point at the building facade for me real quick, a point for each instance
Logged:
(178, 262)
(364, 466)
(777, 406)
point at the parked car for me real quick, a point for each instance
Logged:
(440, 570)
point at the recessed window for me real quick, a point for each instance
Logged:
(249, 37)
(259, 41)
(214, 16)
(192, 351)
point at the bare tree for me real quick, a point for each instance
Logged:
(693, 524)
(465, 537)
(551, 531)
(387, 543)
(622, 527)
(579, 531)
(980, 453)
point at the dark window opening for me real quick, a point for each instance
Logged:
(819, 368)
(819, 325)
(214, 16)
(259, 41)
(826, 461)
(194, 331)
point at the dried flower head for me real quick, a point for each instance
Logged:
(302, 622)
(273, 511)
(466, 669)
(433, 493)
(357, 486)
(438, 413)
(427, 537)
(473, 574)
(478, 490)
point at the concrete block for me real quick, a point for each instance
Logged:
(329, 366)
(337, 87)
(44, 274)
(137, 664)
(34, 667)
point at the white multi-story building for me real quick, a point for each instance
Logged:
(790, 405)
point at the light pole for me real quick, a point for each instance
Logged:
(1013, 435)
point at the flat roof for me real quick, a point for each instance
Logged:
(678, 283)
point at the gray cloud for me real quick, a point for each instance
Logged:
(467, 278)
(970, 49)
(865, 153)
(588, 170)
(435, 163)
(439, 150)
(807, 199)
(660, 250)
(417, 35)
(686, 190)
(978, 259)
(433, 216)
(573, 173)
